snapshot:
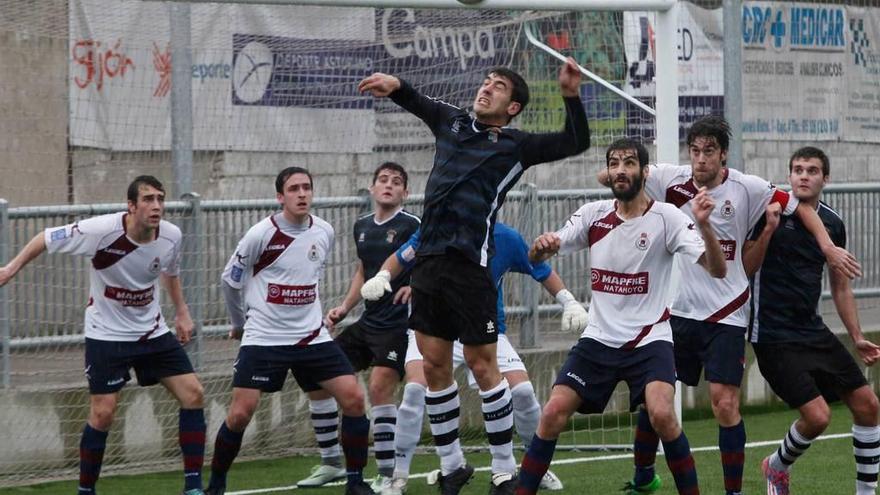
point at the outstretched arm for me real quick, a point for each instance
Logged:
(575, 137)
(430, 110)
(755, 250)
(574, 316)
(839, 259)
(353, 297)
(31, 250)
(183, 323)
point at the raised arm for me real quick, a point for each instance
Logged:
(754, 250)
(839, 259)
(430, 110)
(575, 136)
(713, 259)
(183, 323)
(31, 250)
(351, 299)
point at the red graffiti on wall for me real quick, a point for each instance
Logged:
(162, 64)
(98, 61)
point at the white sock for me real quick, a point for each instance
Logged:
(325, 421)
(409, 427)
(526, 411)
(443, 410)
(498, 420)
(793, 446)
(866, 449)
(384, 423)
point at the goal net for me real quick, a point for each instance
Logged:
(90, 95)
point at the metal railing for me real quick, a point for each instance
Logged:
(42, 307)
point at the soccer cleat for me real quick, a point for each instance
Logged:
(453, 482)
(631, 488)
(380, 483)
(359, 488)
(550, 482)
(502, 484)
(194, 491)
(321, 475)
(777, 481)
(396, 487)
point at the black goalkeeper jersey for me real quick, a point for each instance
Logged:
(474, 168)
(375, 243)
(786, 290)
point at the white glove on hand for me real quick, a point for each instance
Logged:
(376, 287)
(574, 316)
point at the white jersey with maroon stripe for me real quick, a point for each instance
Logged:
(630, 268)
(740, 201)
(279, 266)
(123, 290)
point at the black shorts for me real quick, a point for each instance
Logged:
(593, 370)
(454, 298)
(798, 372)
(719, 348)
(366, 346)
(264, 367)
(108, 362)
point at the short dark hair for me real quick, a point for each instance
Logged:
(396, 167)
(808, 152)
(712, 126)
(143, 180)
(628, 144)
(286, 173)
(520, 90)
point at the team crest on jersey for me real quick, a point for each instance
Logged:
(154, 265)
(727, 209)
(361, 237)
(58, 235)
(493, 135)
(642, 242)
(389, 236)
(313, 253)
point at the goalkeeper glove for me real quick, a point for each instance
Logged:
(376, 287)
(574, 316)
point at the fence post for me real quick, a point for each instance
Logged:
(193, 271)
(530, 293)
(4, 299)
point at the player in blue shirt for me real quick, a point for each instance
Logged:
(511, 255)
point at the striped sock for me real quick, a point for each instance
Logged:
(866, 449)
(226, 447)
(535, 464)
(355, 443)
(91, 456)
(443, 410)
(409, 428)
(325, 421)
(526, 411)
(793, 446)
(498, 420)
(681, 463)
(644, 449)
(191, 437)
(732, 443)
(384, 422)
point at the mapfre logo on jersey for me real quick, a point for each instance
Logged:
(728, 247)
(136, 298)
(625, 284)
(291, 295)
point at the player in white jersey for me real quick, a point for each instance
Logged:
(709, 316)
(277, 266)
(130, 253)
(632, 241)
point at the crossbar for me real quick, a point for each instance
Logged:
(657, 5)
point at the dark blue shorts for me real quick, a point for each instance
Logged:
(593, 370)
(107, 363)
(265, 367)
(365, 346)
(717, 347)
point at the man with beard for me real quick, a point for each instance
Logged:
(709, 316)
(632, 242)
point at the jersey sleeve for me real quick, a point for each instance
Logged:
(242, 261)
(659, 178)
(431, 111)
(172, 269)
(575, 234)
(406, 253)
(839, 235)
(573, 139)
(78, 238)
(682, 236)
(762, 193)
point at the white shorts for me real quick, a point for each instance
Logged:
(508, 358)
